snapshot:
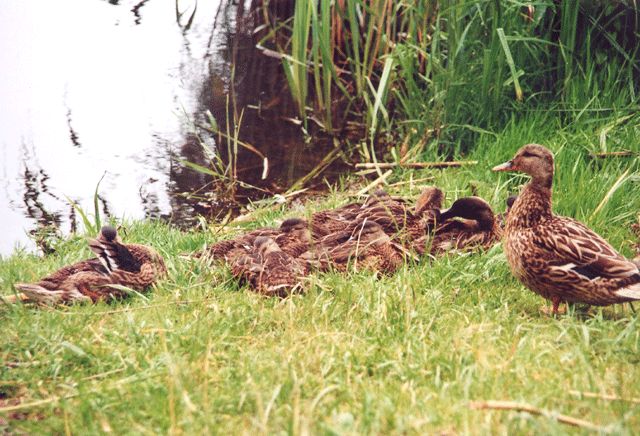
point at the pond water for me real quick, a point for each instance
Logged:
(95, 89)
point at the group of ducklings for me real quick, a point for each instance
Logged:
(556, 257)
(380, 234)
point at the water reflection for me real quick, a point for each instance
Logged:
(112, 90)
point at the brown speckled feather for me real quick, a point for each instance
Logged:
(462, 235)
(365, 245)
(269, 270)
(293, 237)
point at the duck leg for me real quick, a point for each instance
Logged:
(555, 311)
(556, 302)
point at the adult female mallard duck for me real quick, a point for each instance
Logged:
(557, 257)
(268, 269)
(131, 265)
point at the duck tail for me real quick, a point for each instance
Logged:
(13, 299)
(111, 252)
(37, 294)
(631, 291)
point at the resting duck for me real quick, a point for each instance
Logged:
(365, 245)
(293, 237)
(558, 257)
(132, 265)
(331, 221)
(502, 217)
(269, 270)
(477, 229)
(430, 199)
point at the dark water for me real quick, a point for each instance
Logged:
(116, 88)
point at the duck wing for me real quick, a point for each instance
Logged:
(571, 246)
(114, 255)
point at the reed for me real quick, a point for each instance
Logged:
(456, 68)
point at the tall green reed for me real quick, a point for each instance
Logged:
(459, 67)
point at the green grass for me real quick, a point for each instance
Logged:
(356, 354)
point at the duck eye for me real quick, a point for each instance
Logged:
(528, 154)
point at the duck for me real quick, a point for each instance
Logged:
(330, 221)
(268, 269)
(502, 217)
(365, 245)
(558, 257)
(293, 237)
(134, 266)
(477, 228)
(430, 199)
(427, 213)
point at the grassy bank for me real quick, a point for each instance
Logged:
(402, 354)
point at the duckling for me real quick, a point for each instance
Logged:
(326, 222)
(293, 236)
(365, 244)
(426, 213)
(477, 229)
(557, 257)
(268, 269)
(132, 265)
(430, 199)
(502, 217)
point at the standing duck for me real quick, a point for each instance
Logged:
(268, 269)
(132, 265)
(558, 257)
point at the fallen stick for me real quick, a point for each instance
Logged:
(385, 165)
(605, 155)
(13, 299)
(521, 407)
(609, 397)
(404, 182)
(373, 184)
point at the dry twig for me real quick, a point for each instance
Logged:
(608, 397)
(373, 184)
(385, 165)
(522, 407)
(604, 155)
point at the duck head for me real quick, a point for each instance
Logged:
(370, 233)
(296, 227)
(265, 245)
(109, 233)
(534, 160)
(471, 208)
(431, 197)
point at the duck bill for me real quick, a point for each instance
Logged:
(444, 215)
(507, 166)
